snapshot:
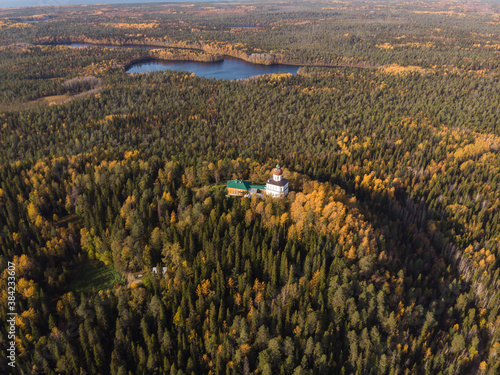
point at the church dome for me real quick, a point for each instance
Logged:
(277, 171)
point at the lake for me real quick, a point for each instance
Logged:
(227, 69)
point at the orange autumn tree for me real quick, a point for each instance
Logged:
(331, 212)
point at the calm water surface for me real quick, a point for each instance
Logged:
(227, 69)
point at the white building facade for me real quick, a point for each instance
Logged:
(277, 186)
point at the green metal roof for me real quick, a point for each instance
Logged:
(262, 187)
(238, 184)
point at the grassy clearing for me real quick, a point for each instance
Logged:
(54, 99)
(92, 276)
(18, 106)
(46, 100)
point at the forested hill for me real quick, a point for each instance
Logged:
(381, 260)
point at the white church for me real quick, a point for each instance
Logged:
(277, 186)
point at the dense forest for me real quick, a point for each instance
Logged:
(384, 257)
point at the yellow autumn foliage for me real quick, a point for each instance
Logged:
(328, 209)
(403, 70)
(140, 26)
(483, 143)
(26, 288)
(384, 46)
(203, 288)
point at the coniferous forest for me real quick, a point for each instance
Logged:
(383, 259)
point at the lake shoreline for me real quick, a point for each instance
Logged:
(227, 67)
(224, 54)
(146, 60)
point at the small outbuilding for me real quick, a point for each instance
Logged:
(242, 188)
